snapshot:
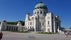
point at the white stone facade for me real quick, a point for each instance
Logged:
(42, 20)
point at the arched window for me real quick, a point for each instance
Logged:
(48, 22)
(40, 12)
(48, 30)
(44, 13)
(35, 18)
(35, 12)
(30, 23)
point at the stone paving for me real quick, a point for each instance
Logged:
(33, 36)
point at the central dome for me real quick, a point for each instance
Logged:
(40, 5)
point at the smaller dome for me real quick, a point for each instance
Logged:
(4, 21)
(40, 5)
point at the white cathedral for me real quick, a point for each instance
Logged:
(41, 21)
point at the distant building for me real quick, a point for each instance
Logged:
(41, 20)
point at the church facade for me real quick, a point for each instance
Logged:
(41, 21)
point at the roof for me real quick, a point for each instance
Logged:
(40, 5)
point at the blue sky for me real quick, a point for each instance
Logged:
(13, 10)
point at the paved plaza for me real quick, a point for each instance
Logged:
(33, 36)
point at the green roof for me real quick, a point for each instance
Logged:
(40, 5)
(15, 23)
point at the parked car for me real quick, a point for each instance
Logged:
(1, 34)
